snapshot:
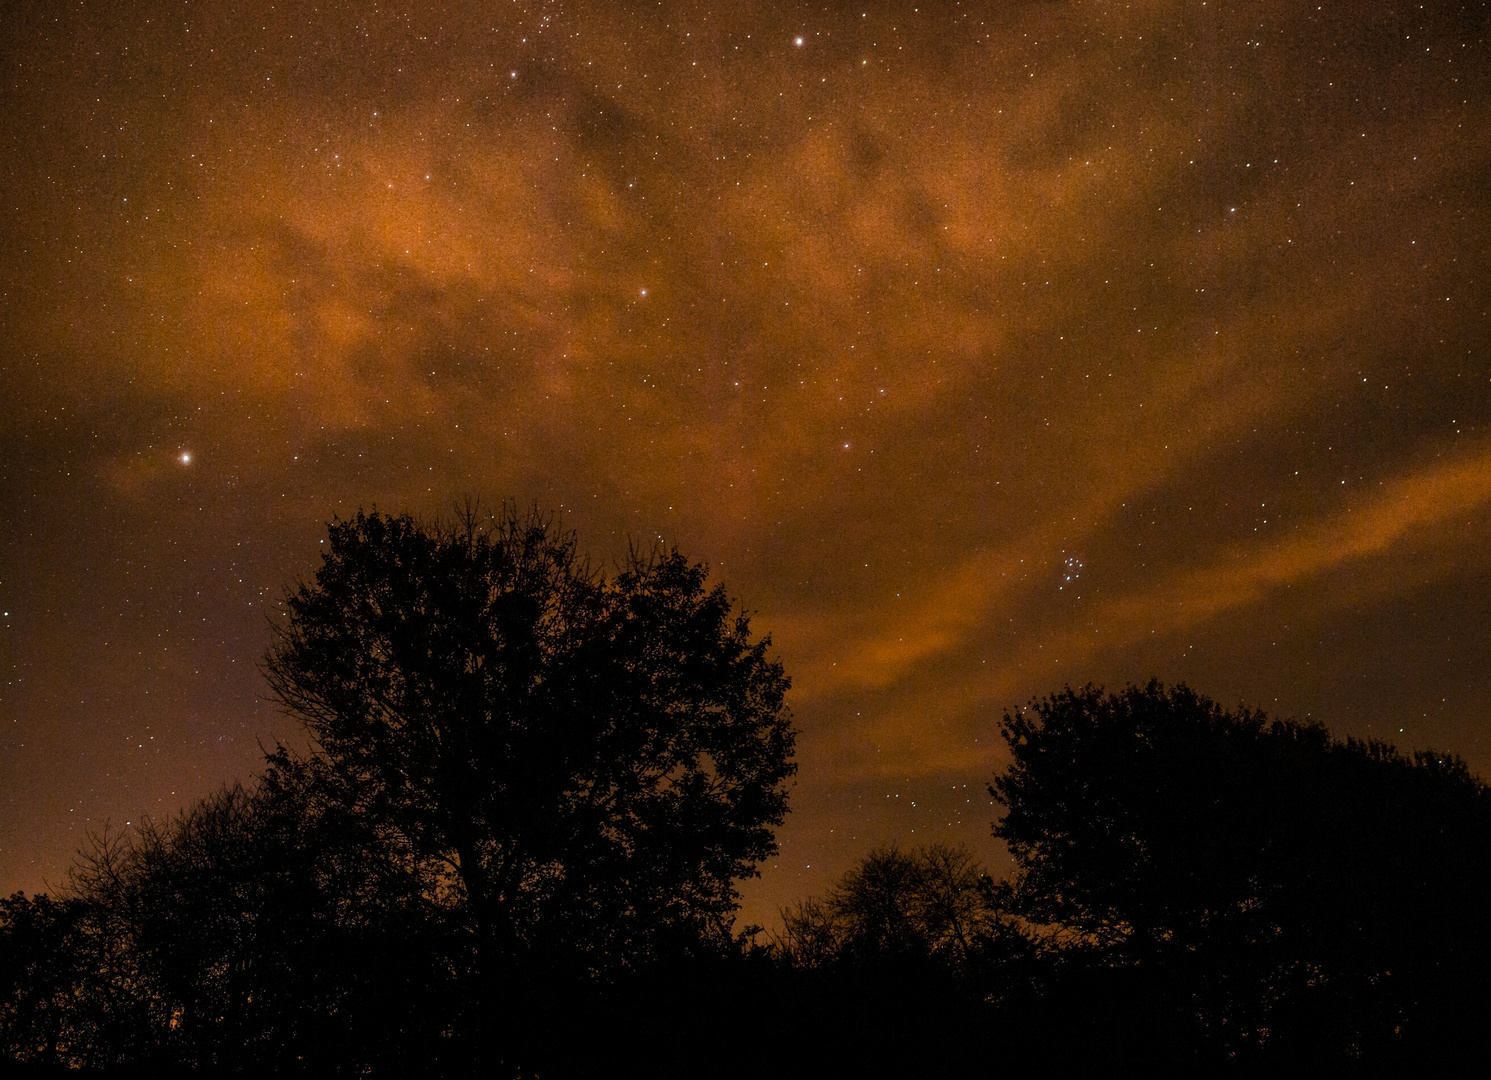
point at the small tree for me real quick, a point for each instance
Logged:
(578, 764)
(900, 967)
(930, 902)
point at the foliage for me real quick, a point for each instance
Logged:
(247, 934)
(522, 774)
(512, 849)
(1295, 894)
(578, 764)
(932, 901)
(40, 949)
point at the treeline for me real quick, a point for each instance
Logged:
(513, 850)
(1195, 891)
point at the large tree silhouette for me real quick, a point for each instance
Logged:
(529, 793)
(1251, 882)
(580, 765)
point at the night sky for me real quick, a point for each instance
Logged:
(978, 348)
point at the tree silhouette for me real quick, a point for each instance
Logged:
(512, 849)
(897, 968)
(522, 775)
(1268, 889)
(40, 972)
(255, 932)
(581, 766)
(932, 901)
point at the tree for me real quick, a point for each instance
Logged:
(932, 901)
(71, 993)
(39, 973)
(578, 765)
(522, 773)
(257, 931)
(1286, 893)
(900, 968)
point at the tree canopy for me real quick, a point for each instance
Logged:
(930, 902)
(1296, 893)
(528, 783)
(577, 762)
(512, 848)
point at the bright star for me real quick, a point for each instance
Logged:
(186, 459)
